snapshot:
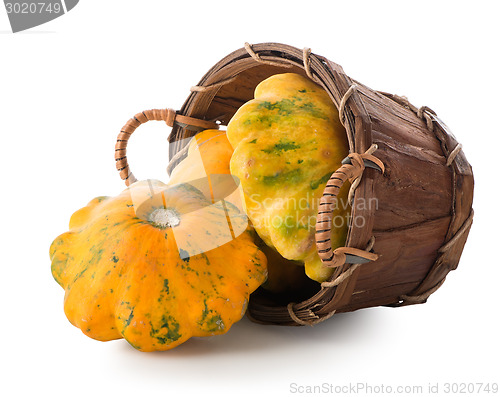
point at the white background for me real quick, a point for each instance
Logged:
(67, 87)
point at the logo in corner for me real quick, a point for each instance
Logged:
(24, 14)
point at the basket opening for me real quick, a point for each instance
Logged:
(230, 97)
(222, 104)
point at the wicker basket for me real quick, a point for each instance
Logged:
(402, 158)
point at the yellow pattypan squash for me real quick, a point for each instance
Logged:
(287, 143)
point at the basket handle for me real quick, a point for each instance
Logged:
(169, 116)
(352, 168)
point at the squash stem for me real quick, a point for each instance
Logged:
(165, 217)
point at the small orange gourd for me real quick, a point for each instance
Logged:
(157, 265)
(206, 167)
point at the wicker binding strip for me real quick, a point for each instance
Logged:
(403, 159)
(169, 116)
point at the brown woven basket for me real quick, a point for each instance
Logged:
(403, 159)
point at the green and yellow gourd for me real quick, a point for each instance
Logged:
(287, 142)
(157, 265)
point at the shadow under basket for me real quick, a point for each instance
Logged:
(412, 220)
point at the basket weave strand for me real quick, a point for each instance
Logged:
(169, 116)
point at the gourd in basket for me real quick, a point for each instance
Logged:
(288, 142)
